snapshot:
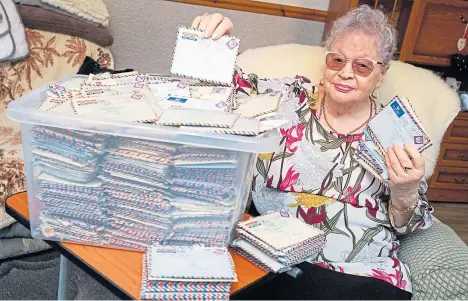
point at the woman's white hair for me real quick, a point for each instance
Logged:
(369, 21)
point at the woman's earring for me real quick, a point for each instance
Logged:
(375, 94)
(321, 82)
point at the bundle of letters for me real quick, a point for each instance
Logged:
(277, 241)
(131, 193)
(396, 123)
(137, 203)
(187, 273)
(165, 101)
(203, 185)
(139, 192)
(70, 193)
(199, 96)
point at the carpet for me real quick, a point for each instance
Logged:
(36, 277)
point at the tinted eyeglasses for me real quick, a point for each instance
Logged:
(362, 67)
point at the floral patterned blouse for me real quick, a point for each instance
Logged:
(314, 175)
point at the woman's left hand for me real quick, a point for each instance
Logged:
(405, 167)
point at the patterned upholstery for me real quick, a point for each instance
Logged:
(52, 56)
(438, 261)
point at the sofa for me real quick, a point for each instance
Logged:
(52, 56)
(437, 257)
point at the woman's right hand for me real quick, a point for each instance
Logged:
(214, 25)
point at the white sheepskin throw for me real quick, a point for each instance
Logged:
(435, 103)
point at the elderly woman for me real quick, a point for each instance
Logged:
(315, 176)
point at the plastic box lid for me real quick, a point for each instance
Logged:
(24, 110)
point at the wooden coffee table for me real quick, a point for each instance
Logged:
(120, 270)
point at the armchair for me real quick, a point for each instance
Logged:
(437, 257)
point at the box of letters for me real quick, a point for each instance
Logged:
(96, 180)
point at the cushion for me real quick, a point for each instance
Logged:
(91, 10)
(425, 90)
(12, 37)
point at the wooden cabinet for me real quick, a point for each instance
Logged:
(428, 29)
(433, 31)
(449, 183)
(455, 155)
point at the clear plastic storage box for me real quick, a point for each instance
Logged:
(129, 185)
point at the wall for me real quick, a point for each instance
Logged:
(144, 30)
